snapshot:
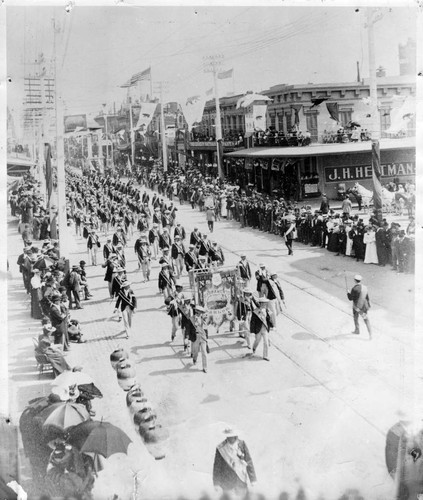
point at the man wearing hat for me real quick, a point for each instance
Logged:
(244, 269)
(153, 238)
(289, 233)
(204, 247)
(93, 244)
(201, 337)
(262, 275)
(244, 307)
(195, 238)
(126, 303)
(191, 260)
(233, 469)
(107, 248)
(73, 285)
(178, 256)
(166, 280)
(143, 252)
(58, 320)
(120, 255)
(261, 323)
(173, 302)
(216, 255)
(202, 264)
(359, 296)
(274, 294)
(179, 231)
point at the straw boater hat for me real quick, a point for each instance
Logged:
(357, 278)
(263, 300)
(230, 432)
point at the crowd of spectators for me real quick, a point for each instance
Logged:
(342, 232)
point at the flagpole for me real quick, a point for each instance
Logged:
(131, 125)
(376, 174)
(218, 125)
(151, 85)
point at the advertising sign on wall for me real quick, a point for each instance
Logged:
(360, 172)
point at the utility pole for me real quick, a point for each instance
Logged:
(372, 17)
(60, 153)
(162, 86)
(105, 132)
(131, 126)
(211, 65)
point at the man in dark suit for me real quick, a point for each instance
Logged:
(107, 249)
(261, 323)
(244, 269)
(191, 260)
(165, 239)
(74, 287)
(359, 296)
(195, 237)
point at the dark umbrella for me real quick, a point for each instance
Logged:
(101, 438)
(353, 124)
(91, 390)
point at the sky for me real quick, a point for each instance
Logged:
(99, 48)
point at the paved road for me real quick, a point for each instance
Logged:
(316, 414)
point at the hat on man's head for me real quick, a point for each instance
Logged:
(243, 254)
(75, 266)
(262, 265)
(177, 237)
(192, 245)
(179, 284)
(357, 277)
(247, 290)
(230, 432)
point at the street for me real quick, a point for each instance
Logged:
(310, 416)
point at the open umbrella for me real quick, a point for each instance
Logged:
(69, 378)
(101, 438)
(64, 415)
(91, 390)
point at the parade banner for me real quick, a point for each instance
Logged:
(146, 115)
(193, 109)
(216, 291)
(259, 116)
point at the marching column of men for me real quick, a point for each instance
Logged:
(112, 205)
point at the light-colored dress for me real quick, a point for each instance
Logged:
(370, 256)
(348, 249)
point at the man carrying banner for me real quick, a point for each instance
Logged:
(361, 304)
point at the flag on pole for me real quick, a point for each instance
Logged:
(377, 176)
(138, 77)
(248, 99)
(225, 74)
(333, 111)
(193, 109)
(146, 115)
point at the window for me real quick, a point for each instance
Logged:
(345, 116)
(311, 121)
(280, 122)
(385, 119)
(273, 120)
(288, 122)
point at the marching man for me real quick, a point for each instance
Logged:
(142, 250)
(261, 323)
(127, 303)
(93, 244)
(359, 295)
(153, 238)
(201, 337)
(178, 254)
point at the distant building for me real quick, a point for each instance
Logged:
(407, 57)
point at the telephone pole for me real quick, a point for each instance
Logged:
(372, 17)
(162, 88)
(211, 65)
(60, 152)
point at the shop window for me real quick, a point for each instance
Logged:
(273, 120)
(385, 119)
(345, 116)
(288, 122)
(280, 122)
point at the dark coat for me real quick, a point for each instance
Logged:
(257, 321)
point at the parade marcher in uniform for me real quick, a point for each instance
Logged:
(127, 303)
(244, 270)
(107, 249)
(244, 307)
(289, 234)
(93, 244)
(166, 281)
(275, 295)
(178, 255)
(142, 250)
(201, 339)
(179, 231)
(202, 264)
(261, 323)
(165, 239)
(191, 259)
(361, 304)
(204, 247)
(262, 275)
(195, 238)
(117, 280)
(211, 217)
(110, 265)
(153, 238)
(187, 327)
(233, 469)
(173, 302)
(216, 255)
(120, 255)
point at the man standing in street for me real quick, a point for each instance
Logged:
(244, 270)
(361, 304)
(211, 217)
(74, 287)
(93, 244)
(142, 250)
(153, 238)
(233, 468)
(202, 336)
(289, 233)
(178, 255)
(261, 323)
(127, 303)
(346, 206)
(107, 249)
(262, 276)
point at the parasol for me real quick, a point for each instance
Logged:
(69, 378)
(63, 415)
(101, 438)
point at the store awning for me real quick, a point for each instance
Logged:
(322, 149)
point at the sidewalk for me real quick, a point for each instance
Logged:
(316, 393)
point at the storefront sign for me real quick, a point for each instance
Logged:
(311, 188)
(355, 173)
(226, 144)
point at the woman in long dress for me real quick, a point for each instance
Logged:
(369, 239)
(348, 250)
(36, 295)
